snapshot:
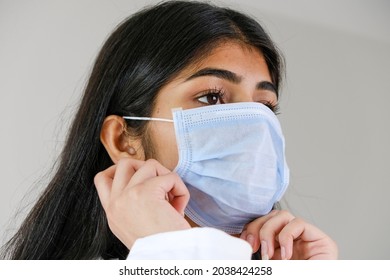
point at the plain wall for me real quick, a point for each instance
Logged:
(334, 105)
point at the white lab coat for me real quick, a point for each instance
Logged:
(191, 244)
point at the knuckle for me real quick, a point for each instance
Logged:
(175, 176)
(299, 220)
(98, 177)
(266, 230)
(124, 161)
(151, 161)
(286, 214)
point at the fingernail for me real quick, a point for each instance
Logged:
(283, 253)
(251, 239)
(264, 251)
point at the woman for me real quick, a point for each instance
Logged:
(122, 183)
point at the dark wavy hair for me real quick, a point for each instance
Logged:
(141, 56)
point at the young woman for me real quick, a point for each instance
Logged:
(175, 151)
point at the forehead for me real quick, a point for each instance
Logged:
(237, 57)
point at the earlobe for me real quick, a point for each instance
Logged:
(117, 142)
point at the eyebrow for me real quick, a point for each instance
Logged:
(219, 73)
(231, 77)
(265, 85)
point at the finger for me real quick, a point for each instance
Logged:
(251, 239)
(259, 222)
(103, 183)
(297, 228)
(271, 229)
(126, 168)
(172, 185)
(179, 194)
(251, 230)
(151, 168)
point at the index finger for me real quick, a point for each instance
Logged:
(150, 169)
(295, 229)
(126, 168)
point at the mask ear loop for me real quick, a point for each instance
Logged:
(151, 119)
(146, 119)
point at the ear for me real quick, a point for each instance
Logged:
(117, 142)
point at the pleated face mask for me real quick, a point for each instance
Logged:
(232, 159)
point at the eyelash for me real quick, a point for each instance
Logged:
(274, 107)
(221, 93)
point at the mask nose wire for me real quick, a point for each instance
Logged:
(147, 119)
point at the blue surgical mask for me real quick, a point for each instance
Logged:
(232, 159)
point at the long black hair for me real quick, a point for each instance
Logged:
(143, 54)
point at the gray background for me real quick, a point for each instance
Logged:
(335, 104)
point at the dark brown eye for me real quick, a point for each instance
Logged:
(211, 98)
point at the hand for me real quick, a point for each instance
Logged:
(141, 198)
(282, 236)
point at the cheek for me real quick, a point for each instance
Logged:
(163, 140)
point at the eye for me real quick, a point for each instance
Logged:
(274, 107)
(211, 97)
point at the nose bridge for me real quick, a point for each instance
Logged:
(243, 95)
